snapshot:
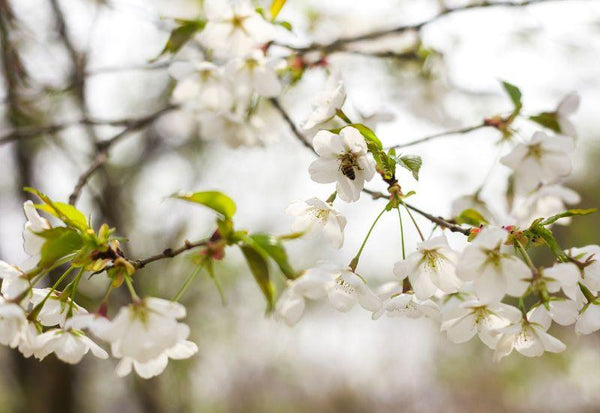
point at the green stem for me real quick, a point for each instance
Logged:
(525, 255)
(402, 234)
(134, 295)
(413, 221)
(187, 282)
(35, 311)
(354, 262)
(343, 116)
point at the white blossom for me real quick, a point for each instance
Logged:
(547, 201)
(69, 345)
(32, 242)
(567, 106)
(529, 338)
(408, 305)
(543, 160)
(565, 276)
(474, 317)
(183, 349)
(312, 284)
(56, 309)
(494, 271)
(14, 281)
(431, 267)
(561, 311)
(348, 289)
(342, 159)
(326, 102)
(588, 256)
(314, 213)
(201, 86)
(234, 27)
(588, 321)
(254, 73)
(143, 330)
(12, 323)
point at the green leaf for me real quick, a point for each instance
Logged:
(411, 162)
(60, 242)
(65, 212)
(276, 6)
(260, 270)
(275, 249)
(547, 120)
(373, 142)
(471, 217)
(515, 95)
(569, 213)
(181, 35)
(285, 24)
(214, 200)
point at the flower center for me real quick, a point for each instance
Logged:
(535, 151)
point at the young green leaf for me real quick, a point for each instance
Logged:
(60, 242)
(547, 120)
(373, 142)
(411, 162)
(260, 270)
(214, 200)
(569, 213)
(471, 217)
(515, 95)
(275, 249)
(65, 212)
(181, 35)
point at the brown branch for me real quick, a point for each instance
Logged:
(374, 194)
(440, 135)
(169, 253)
(301, 137)
(341, 43)
(103, 149)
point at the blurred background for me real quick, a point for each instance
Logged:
(63, 60)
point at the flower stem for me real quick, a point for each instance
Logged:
(188, 282)
(134, 295)
(525, 255)
(35, 311)
(354, 262)
(402, 234)
(413, 221)
(343, 116)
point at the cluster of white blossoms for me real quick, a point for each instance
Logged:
(224, 90)
(44, 321)
(489, 287)
(480, 290)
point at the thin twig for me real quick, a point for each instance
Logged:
(301, 137)
(105, 146)
(169, 253)
(341, 43)
(439, 135)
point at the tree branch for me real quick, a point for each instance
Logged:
(440, 135)
(105, 146)
(169, 253)
(341, 43)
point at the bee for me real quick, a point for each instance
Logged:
(347, 165)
